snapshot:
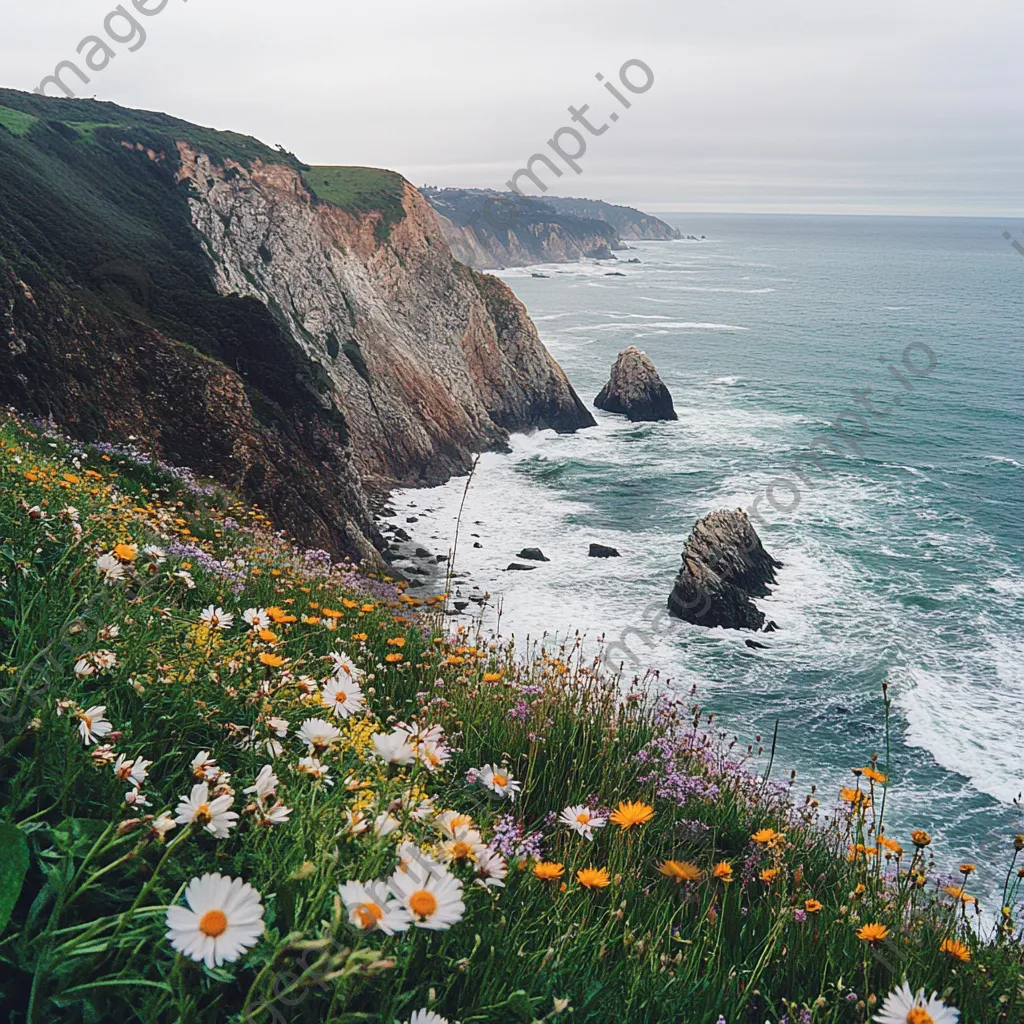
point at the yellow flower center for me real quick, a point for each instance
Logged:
(87, 720)
(461, 849)
(341, 696)
(423, 903)
(500, 780)
(583, 817)
(919, 1015)
(368, 914)
(213, 923)
(203, 815)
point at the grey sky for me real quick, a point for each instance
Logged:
(900, 106)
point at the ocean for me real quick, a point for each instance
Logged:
(903, 551)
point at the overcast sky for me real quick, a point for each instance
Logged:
(892, 106)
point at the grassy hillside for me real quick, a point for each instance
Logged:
(187, 694)
(361, 190)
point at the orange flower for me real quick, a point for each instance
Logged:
(873, 933)
(920, 838)
(812, 906)
(330, 613)
(680, 871)
(125, 552)
(268, 636)
(768, 875)
(548, 871)
(366, 608)
(956, 950)
(492, 677)
(855, 796)
(723, 871)
(891, 845)
(396, 641)
(593, 878)
(967, 869)
(359, 636)
(957, 892)
(629, 814)
(348, 603)
(392, 658)
(271, 660)
(279, 615)
(765, 836)
(873, 775)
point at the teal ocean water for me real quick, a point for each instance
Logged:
(903, 552)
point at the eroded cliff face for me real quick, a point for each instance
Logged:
(427, 360)
(525, 245)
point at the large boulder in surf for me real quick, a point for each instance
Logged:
(724, 566)
(636, 390)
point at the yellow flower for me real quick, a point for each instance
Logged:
(271, 660)
(548, 871)
(920, 838)
(957, 950)
(873, 933)
(765, 836)
(812, 906)
(723, 871)
(125, 552)
(680, 871)
(593, 878)
(629, 814)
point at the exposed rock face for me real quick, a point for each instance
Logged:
(488, 229)
(534, 555)
(724, 566)
(602, 551)
(429, 360)
(636, 390)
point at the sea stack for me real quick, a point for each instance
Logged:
(636, 390)
(724, 566)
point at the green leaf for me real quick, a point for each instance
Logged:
(13, 867)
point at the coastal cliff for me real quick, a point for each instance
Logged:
(303, 334)
(489, 230)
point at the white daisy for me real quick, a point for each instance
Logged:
(384, 824)
(902, 1006)
(276, 815)
(104, 660)
(433, 755)
(344, 666)
(215, 815)
(216, 618)
(318, 735)
(435, 901)
(204, 767)
(451, 822)
(110, 569)
(266, 783)
(93, 724)
(162, 825)
(426, 1016)
(372, 906)
(256, 618)
(278, 726)
(109, 633)
(224, 918)
(133, 772)
(133, 798)
(186, 577)
(394, 747)
(491, 869)
(498, 780)
(582, 820)
(84, 667)
(466, 844)
(311, 766)
(155, 554)
(355, 822)
(342, 696)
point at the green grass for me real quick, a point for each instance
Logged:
(361, 190)
(85, 883)
(16, 121)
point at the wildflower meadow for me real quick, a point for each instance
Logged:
(242, 783)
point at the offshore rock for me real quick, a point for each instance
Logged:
(724, 566)
(636, 390)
